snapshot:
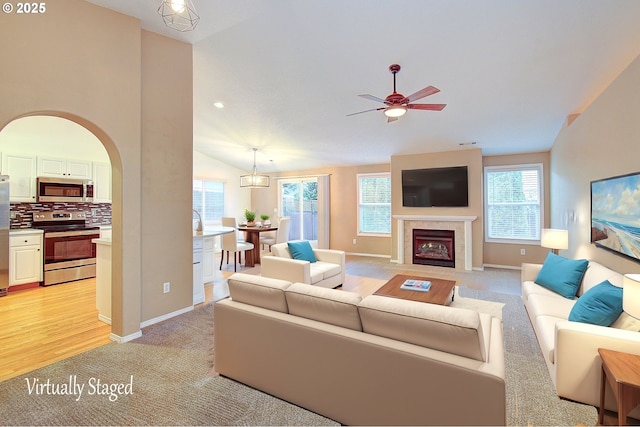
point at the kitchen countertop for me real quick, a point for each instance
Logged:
(25, 231)
(102, 241)
(213, 231)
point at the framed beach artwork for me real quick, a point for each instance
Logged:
(615, 214)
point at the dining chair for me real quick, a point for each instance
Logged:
(230, 243)
(281, 236)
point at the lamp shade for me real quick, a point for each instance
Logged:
(555, 239)
(631, 294)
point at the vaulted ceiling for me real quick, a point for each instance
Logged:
(290, 71)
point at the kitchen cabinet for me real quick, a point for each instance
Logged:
(64, 168)
(25, 257)
(208, 259)
(103, 278)
(101, 182)
(198, 282)
(22, 176)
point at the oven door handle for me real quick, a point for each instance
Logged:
(72, 233)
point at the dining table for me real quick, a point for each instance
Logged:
(252, 235)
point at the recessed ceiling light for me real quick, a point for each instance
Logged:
(218, 104)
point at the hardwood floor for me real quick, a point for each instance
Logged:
(44, 325)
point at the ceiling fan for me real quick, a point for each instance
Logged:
(398, 104)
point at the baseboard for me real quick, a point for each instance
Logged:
(105, 319)
(505, 267)
(127, 338)
(165, 317)
(370, 255)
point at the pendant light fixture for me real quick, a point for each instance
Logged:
(180, 15)
(254, 179)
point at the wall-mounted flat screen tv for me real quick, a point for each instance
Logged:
(615, 214)
(435, 187)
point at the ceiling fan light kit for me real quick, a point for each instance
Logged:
(398, 104)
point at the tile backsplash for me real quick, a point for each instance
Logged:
(22, 213)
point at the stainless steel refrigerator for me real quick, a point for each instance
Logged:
(4, 234)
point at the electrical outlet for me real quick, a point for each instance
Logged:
(354, 241)
(522, 251)
(166, 287)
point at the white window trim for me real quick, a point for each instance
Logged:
(541, 184)
(369, 234)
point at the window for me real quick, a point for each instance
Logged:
(208, 200)
(374, 204)
(513, 203)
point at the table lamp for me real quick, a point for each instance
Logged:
(631, 294)
(554, 239)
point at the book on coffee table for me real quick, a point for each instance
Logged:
(416, 285)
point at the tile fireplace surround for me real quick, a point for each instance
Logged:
(461, 225)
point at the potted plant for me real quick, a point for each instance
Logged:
(250, 216)
(265, 219)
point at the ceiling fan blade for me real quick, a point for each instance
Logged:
(391, 119)
(429, 90)
(366, 111)
(372, 98)
(432, 107)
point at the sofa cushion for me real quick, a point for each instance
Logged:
(600, 305)
(332, 306)
(259, 291)
(327, 269)
(550, 305)
(598, 273)
(627, 322)
(562, 275)
(452, 330)
(302, 250)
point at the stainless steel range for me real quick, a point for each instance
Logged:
(69, 253)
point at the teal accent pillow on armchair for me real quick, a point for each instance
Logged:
(302, 250)
(562, 275)
(600, 305)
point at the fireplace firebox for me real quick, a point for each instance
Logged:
(434, 247)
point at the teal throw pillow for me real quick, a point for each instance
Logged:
(302, 250)
(562, 275)
(600, 305)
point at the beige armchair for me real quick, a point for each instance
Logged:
(328, 271)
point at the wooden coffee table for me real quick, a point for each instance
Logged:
(441, 291)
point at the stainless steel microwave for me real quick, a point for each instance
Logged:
(64, 190)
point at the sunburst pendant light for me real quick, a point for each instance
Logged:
(254, 179)
(180, 15)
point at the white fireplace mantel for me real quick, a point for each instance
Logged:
(466, 228)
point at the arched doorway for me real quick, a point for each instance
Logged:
(53, 135)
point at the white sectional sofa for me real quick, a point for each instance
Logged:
(571, 348)
(327, 272)
(372, 361)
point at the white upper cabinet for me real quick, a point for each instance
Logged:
(102, 182)
(64, 168)
(22, 176)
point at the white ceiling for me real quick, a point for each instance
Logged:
(289, 72)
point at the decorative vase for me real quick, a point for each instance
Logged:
(251, 223)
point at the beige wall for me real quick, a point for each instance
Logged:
(504, 254)
(236, 198)
(600, 143)
(472, 158)
(167, 163)
(85, 63)
(344, 207)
